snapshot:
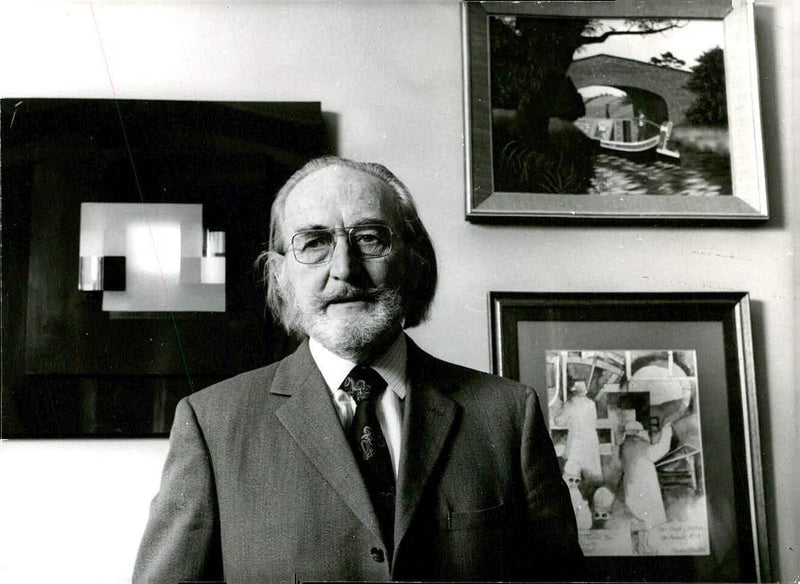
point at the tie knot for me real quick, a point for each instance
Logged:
(363, 383)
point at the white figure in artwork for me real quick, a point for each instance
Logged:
(572, 476)
(640, 481)
(579, 416)
(602, 500)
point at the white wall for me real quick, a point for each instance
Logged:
(390, 72)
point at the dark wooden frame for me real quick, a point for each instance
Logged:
(729, 411)
(749, 200)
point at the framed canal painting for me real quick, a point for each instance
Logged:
(650, 402)
(633, 110)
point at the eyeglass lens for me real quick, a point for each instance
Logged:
(314, 246)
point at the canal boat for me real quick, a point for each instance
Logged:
(637, 138)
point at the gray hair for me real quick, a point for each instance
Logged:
(422, 269)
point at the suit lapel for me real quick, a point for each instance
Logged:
(311, 420)
(428, 420)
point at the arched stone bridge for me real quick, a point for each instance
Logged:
(658, 92)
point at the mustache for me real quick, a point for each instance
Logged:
(349, 293)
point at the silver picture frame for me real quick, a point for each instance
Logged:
(486, 201)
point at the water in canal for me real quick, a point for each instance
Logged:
(700, 174)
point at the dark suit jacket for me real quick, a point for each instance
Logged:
(260, 485)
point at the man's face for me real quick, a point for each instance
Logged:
(349, 304)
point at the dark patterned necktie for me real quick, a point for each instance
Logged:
(365, 386)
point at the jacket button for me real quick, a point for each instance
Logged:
(377, 554)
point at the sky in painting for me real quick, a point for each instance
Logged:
(694, 38)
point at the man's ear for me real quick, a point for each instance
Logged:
(275, 270)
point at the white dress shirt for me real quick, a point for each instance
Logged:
(392, 367)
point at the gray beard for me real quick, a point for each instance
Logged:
(359, 338)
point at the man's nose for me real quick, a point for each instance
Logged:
(343, 262)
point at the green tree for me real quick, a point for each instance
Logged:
(708, 82)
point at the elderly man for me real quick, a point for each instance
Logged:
(358, 457)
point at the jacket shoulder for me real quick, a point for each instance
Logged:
(460, 382)
(235, 390)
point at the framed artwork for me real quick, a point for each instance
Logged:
(650, 403)
(612, 111)
(129, 230)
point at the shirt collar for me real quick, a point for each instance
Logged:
(391, 365)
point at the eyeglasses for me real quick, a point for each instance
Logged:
(315, 246)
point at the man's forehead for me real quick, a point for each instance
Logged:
(339, 188)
